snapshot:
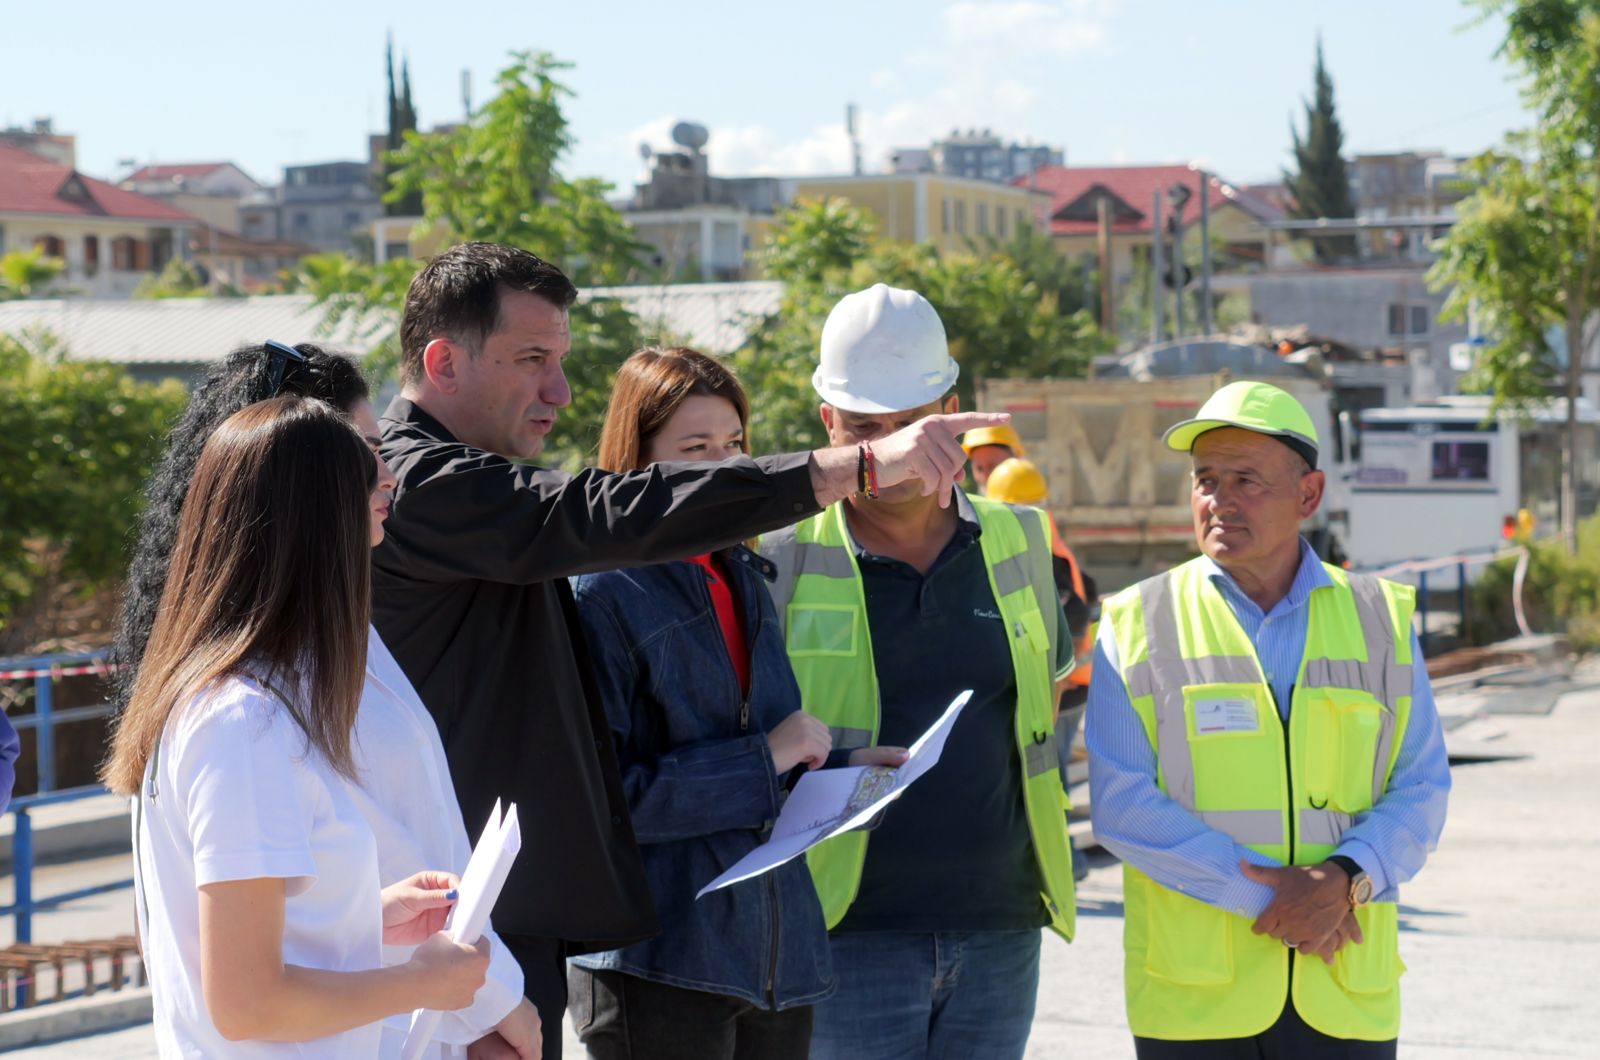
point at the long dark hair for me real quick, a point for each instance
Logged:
(270, 572)
(244, 378)
(650, 386)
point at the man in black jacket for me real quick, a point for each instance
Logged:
(470, 594)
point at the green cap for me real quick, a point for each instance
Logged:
(1259, 407)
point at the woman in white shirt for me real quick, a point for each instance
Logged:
(405, 793)
(262, 872)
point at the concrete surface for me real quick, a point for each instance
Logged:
(1501, 930)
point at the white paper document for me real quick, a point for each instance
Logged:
(478, 891)
(827, 802)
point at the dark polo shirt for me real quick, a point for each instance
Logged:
(954, 852)
(470, 594)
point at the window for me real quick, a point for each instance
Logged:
(301, 221)
(52, 246)
(1000, 222)
(1407, 319)
(946, 204)
(961, 217)
(983, 218)
(1022, 219)
(91, 255)
(122, 253)
(1461, 461)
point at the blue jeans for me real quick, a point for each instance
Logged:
(944, 996)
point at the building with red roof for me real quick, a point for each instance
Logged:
(108, 236)
(1236, 213)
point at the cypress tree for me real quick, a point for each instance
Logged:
(1321, 186)
(402, 117)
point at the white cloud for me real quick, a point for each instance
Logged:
(974, 75)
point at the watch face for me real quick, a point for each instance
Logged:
(1361, 891)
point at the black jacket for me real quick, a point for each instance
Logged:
(470, 594)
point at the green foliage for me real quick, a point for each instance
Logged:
(26, 273)
(1320, 184)
(1561, 592)
(1001, 315)
(1526, 251)
(497, 179)
(77, 441)
(178, 279)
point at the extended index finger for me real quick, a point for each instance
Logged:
(961, 422)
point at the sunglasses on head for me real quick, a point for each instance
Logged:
(282, 354)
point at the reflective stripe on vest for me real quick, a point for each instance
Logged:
(1287, 788)
(822, 608)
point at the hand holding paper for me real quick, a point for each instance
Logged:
(830, 801)
(479, 889)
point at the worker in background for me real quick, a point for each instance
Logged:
(1019, 481)
(1266, 759)
(893, 604)
(987, 448)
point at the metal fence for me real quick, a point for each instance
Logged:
(44, 671)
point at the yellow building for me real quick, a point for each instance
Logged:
(931, 208)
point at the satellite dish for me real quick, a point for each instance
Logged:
(688, 134)
(645, 152)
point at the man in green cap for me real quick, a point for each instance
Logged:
(1266, 759)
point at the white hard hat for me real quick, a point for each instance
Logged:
(883, 350)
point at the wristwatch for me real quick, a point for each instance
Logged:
(1360, 882)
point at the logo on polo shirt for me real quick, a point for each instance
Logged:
(978, 612)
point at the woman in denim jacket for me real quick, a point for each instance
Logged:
(705, 713)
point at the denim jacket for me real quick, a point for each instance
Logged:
(700, 780)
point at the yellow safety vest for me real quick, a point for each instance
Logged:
(1198, 972)
(821, 604)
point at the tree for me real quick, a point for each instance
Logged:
(178, 279)
(402, 119)
(1525, 253)
(497, 178)
(77, 441)
(25, 273)
(1320, 186)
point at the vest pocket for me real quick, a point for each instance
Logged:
(1374, 966)
(822, 629)
(1341, 745)
(1187, 942)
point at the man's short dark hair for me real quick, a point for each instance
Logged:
(457, 296)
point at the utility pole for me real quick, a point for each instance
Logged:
(1108, 319)
(1156, 237)
(855, 141)
(1177, 267)
(1205, 252)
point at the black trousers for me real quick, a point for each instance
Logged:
(544, 982)
(624, 1017)
(1288, 1039)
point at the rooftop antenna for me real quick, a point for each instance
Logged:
(855, 141)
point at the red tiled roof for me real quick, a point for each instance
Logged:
(32, 184)
(168, 172)
(1072, 208)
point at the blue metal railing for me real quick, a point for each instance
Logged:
(1462, 563)
(44, 671)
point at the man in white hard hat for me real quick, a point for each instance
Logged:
(893, 603)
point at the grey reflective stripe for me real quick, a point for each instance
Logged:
(1262, 827)
(1043, 756)
(780, 547)
(1322, 826)
(1163, 675)
(1010, 575)
(1043, 576)
(793, 557)
(848, 739)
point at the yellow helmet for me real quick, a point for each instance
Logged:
(1005, 435)
(1017, 481)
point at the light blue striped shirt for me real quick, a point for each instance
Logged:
(1138, 823)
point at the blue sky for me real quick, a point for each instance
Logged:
(1109, 80)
